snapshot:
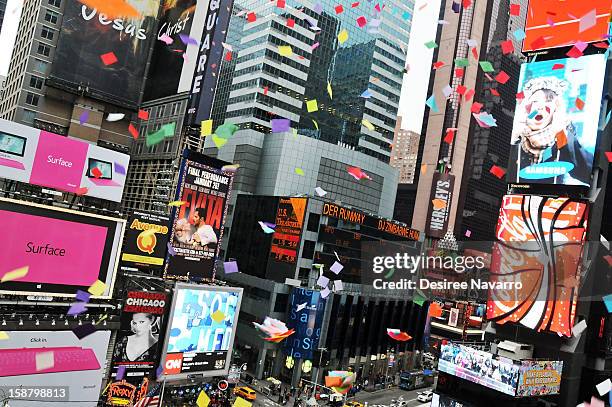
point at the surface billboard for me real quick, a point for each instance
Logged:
(69, 369)
(201, 331)
(145, 241)
(546, 27)
(197, 225)
(307, 309)
(63, 250)
(50, 160)
(440, 204)
(539, 244)
(539, 378)
(554, 134)
(102, 56)
(479, 367)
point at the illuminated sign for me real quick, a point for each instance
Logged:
(289, 223)
(439, 205)
(146, 239)
(539, 378)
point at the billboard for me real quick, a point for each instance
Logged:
(479, 367)
(137, 345)
(289, 223)
(168, 68)
(63, 250)
(211, 50)
(41, 158)
(75, 375)
(306, 311)
(439, 206)
(545, 28)
(197, 225)
(554, 134)
(539, 245)
(146, 240)
(114, 68)
(539, 378)
(201, 331)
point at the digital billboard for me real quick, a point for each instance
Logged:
(479, 367)
(72, 368)
(137, 345)
(197, 225)
(307, 309)
(556, 121)
(539, 378)
(50, 160)
(63, 250)
(539, 245)
(546, 27)
(145, 241)
(105, 58)
(440, 204)
(201, 331)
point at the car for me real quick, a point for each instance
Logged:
(425, 396)
(353, 403)
(245, 392)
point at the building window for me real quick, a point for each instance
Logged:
(308, 250)
(40, 66)
(36, 82)
(29, 116)
(32, 99)
(313, 222)
(44, 50)
(51, 16)
(55, 3)
(47, 33)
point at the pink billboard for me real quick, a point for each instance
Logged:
(50, 160)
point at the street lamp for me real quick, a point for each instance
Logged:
(321, 350)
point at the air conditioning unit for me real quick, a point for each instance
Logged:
(514, 350)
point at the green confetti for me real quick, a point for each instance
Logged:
(167, 130)
(462, 62)
(299, 171)
(431, 44)
(226, 130)
(486, 66)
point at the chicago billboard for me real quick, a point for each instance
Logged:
(307, 309)
(197, 225)
(50, 160)
(539, 245)
(63, 250)
(555, 127)
(105, 58)
(585, 21)
(56, 365)
(145, 241)
(201, 331)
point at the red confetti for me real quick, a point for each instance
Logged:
(361, 21)
(265, 90)
(609, 156)
(502, 77)
(467, 3)
(579, 103)
(561, 139)
(143, 115)
(499, 172)
(476, 107)
(608, 258)
(355, 4)
(251, 17)
(459, 72)
(603, 45)
(520, 95)
(228, 56)
(558, 66)
(574, 52)
(133, 131)
(96, 172)
(280, 3)
(339, 9)
(438, 64)
(515, 9)
(290, 22)
(507, 47)
(450, 135)
(494, 92)
(109, 58)
(538, 43)
(461, 89)
(81, 191)
(475, 53)
(469, 94)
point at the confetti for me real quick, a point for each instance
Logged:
(357, 173)
(285, 50)
(113, 8)
(320, 191)
(361, 21)
(206, 127)
(82, 296)
(177, 203)
(230, 267)
(604, 387)
(519, 34)
(143, 114)
(217, 316)
(367, 124)
(579, 104)
(502, 77)
(338, 285)
(325, 292)
(109, 58)
(266, 227)
(515, 9)
(450, 135)
(343, 36)
(486, 66)
(280, 125)
(290, 22)
(81, 331)
(203, 399)
(15, 274)
(575, 52)
(431, 103)
(114, 117)
(240, 402)
(587, 21)
(3, 335)
(166, 39)
(299, 171)
(77, 308)
(120, 373)
(431, 45)
(84, 117)
(251, 17)
(507, 47)
(497, 171)
(336, 267)
(312, 105)
(97, 288)
(132, 130)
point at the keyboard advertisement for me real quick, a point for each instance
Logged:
(50, 160)
(201, 331)
(75, 375)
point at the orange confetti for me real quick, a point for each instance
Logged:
(113, 8)
(561, 139)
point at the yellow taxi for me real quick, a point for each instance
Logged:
(353, 403)
(245, 392)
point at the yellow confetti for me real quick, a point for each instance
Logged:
(367, 123)
(343, 36)
(206, 128)
(312, 105)
(329, 90)
(176, 203)
(217, 316)
(285, 50)
(15, 274)
(219, 141)
(3, 335)
(423, 168)
(299, 171)
(240, 402)
(203, 399)
(97, 288)
(315, 124)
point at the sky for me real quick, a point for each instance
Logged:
(419, 60)
(9, 31)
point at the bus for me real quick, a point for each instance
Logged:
(415, 380)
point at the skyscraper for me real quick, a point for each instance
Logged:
(2, 11)
(404, 153)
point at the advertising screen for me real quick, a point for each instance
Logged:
(307, 323)
(440, 204)
(50, 160)
(554, 134)
(201, 331)
(547, 27)
(63, 250)
(137, 345)
(197, 225)
(539, 378)
(539, 245)
(105, 56)
(289, 223)
(75, 375)
(145, 241)
(479, 367)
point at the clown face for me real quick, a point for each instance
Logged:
(541, 108)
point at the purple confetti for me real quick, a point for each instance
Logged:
(280, 125)
(119, 169)
(230, 267)
(270, 225)
(159, 371)
(77, 308)
(187, 40)
(171, 251)
(315, 46)
(82, 296)
(81, 331)
(120, 372)
(318, 8)
(84, 117)
(166, 39)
